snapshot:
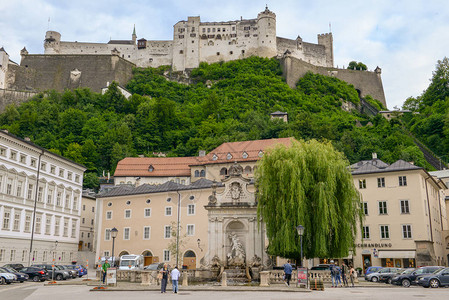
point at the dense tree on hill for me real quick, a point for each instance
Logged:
(430, 120)
(353, 65)
(226, 102)
(308, 184)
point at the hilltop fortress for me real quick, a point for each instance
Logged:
(195, 41)
(70, 65)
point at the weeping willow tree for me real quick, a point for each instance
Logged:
(307, 184)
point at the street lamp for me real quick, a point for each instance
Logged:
(300, 230)
(114, 232)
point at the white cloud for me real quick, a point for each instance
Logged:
(404, 38)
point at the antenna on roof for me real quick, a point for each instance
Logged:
(330, 27)
(48, 26)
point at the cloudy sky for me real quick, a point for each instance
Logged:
(404, 38)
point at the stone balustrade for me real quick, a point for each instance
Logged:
(277, 276)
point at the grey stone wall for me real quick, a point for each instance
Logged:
(60, 72)
(11, 96)
(366, 82)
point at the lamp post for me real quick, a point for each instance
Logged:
(300, 230)
(114, 232)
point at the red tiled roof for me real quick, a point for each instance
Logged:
(180, 166)
(238, 149)
(162, 166)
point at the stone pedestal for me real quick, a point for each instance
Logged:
(185, 279)
(264, 278)
(224, 279)
(132, 276)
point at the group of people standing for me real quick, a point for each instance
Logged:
(339, 275)
(164, 272)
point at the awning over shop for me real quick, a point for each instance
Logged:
(396, 254)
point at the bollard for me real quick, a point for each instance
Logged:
(185, 279)
(224, 279)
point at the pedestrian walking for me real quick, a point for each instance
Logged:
(352, 275)
(287, 273)
(344, 271)
(338, 276)
(334, 273)
(164, 272)
(174, 279)
(104, 269)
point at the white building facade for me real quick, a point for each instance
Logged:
(40, 198)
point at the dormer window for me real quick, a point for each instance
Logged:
(215, 157)
(150, 168)
(229, 156)
(260, 153)
(245, 155)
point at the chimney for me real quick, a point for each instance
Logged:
(202, 153)
(374, 155)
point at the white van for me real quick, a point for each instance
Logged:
(131, 262)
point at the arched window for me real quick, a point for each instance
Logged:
(203, 173)
(247, 170)
(123, 253)
(224, 171)
(147, 253)
(197, 173)
(189, 253)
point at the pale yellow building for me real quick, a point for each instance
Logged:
(145, 215)
(405, 215)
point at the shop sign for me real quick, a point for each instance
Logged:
(374, 245)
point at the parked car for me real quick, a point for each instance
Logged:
(154, 266)
(409, 276)
(59, 274)
(6, 277)
(73, 273)
(372, 269)
(79, 268)
(375, 276)
(321, 267)
(34, 273)
(436, 279)
(387, 277)
(14, 266)
(21, 277)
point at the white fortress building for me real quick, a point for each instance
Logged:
(195, 41)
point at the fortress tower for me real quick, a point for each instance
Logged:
(266, 23)
(52, 42)
(327, 41)
(4, 61)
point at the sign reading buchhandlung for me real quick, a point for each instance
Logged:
(111, 276)
(302, 276)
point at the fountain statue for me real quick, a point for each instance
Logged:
(237, 255)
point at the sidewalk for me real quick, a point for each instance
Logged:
(213, 286)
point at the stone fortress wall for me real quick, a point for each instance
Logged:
(195, 41)
(60, 72)
(69, 65)
(366, 82)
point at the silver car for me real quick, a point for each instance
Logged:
(375, 276)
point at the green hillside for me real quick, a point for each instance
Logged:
(228, 102)
(430, 118)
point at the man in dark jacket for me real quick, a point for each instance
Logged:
(288, 273)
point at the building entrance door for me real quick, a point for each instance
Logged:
(366, 261)
(189, 260)
(147, 258)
